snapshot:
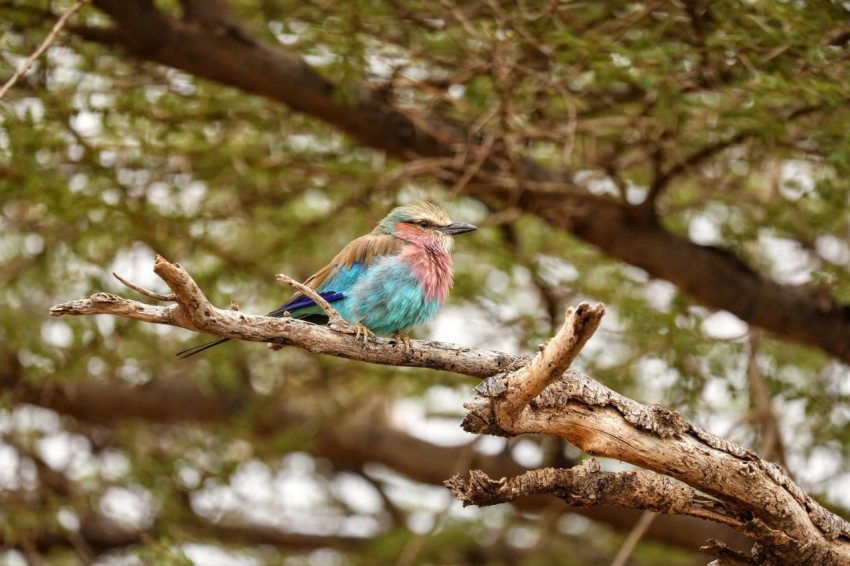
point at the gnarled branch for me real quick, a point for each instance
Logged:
(772, 509)
(741, 490)
(193, 311)
(587, 485)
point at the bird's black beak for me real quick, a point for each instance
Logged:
(456, 228)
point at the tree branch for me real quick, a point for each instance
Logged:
(145, 292)
(193, 311)
(604, 423)
(770, 444)
(762, 501)
(335, 321)
(726, 555)
(587, 485)
(552, 361)
(661, 181)
(57, 27)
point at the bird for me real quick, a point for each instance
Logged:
(386, 282)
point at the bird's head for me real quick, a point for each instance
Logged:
(422, 223)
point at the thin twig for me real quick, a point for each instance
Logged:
(417, 542)
(771, 446)
(483, 153)
(334, 318)
(661, 181)
(57, 27)
(145, 292)
(634, 537)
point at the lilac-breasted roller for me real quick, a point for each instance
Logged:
(386, 282)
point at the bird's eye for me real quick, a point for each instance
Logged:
(423, 223)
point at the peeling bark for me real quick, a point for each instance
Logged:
(679, 459)
(741, 489)
(588, 486)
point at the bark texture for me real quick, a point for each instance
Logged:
(543, 396)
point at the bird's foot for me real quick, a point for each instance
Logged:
(404, 339)
(362, 333)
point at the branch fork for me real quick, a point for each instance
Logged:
(193, 311)
(685, 470)
(550, 363)
(503, 400)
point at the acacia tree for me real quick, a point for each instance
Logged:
(704, 144)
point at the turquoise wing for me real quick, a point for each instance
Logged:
(335, 281)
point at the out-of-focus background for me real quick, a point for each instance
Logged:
(731, 116)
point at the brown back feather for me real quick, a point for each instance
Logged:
(364, 249)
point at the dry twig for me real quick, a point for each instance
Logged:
(335, 321)
(57, 27)
(145, 292)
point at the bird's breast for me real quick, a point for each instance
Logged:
(432, 267)
(391, 298)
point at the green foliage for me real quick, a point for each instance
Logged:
(105, 161)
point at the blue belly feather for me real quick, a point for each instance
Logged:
(389, 298)
(386, 298)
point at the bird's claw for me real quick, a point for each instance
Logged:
(404, 339)
(362, 333)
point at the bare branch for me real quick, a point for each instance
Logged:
(193, 311)
(788, 523)
(771, 446)
(552, 361)
(602, 422)
(637, 533)
(145, 292)
(587, 485)
(335, 321)
(51, 37)
(107, 303)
